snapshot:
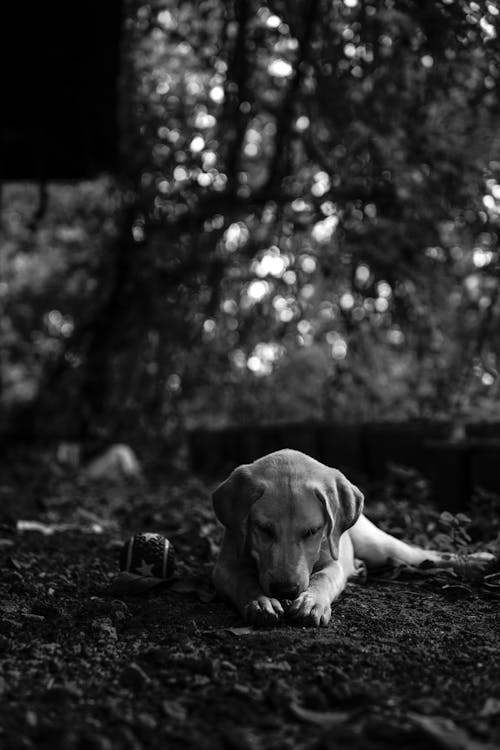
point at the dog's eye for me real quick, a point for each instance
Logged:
(267, 531)
(311, 532)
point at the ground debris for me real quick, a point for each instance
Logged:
(244, 630)
(491, 707)
(319, 718)
(174, 710)
(446, 734)
(134, 677)
(175, 667)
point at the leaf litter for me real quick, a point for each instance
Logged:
(408, 659)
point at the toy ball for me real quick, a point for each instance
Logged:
(149, 555)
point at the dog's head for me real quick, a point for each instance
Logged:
(287, 512)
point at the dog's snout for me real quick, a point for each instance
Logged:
(283, 591)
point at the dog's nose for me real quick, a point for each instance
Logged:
(283, 591)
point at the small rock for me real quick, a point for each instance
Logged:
(491, 707)
(134, 678)
(31, 719)
(147, 721)
(174, 710)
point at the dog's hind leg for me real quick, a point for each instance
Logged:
(377, 548)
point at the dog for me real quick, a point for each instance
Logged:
(294, 535)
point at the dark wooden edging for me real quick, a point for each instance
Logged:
(458, 468)
(215, 451)
(454, 468)
(365, 448)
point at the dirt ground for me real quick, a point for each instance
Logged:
(408, 661)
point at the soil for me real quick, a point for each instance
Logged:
(408, 661)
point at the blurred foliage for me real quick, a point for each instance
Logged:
(49, 277)
(306, 224)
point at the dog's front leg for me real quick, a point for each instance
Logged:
(313, 606)
(236, 579)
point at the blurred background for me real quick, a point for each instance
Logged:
(242, 213)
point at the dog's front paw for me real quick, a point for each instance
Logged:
(310, 609)
(263, 611)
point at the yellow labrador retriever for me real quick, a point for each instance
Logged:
(293, 533)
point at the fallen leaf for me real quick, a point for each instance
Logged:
(446, 734)
(133, 677)
(147, 720)
(491, 707)
(240, 738)
(132, 584)
(319, 718)
(34, 618)
(268, 665)
(492, 581)
(255, 694)
(174, 710)
(240, 631)
(31, 718)
(201, 680)
(15, 564)
(455, 591)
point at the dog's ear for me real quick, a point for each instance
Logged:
(343, 504)
(233, 499)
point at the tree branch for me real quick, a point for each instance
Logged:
(284, 120)
(234, 120)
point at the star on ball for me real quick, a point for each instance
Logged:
(144, 569)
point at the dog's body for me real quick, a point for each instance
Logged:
(294, 535)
